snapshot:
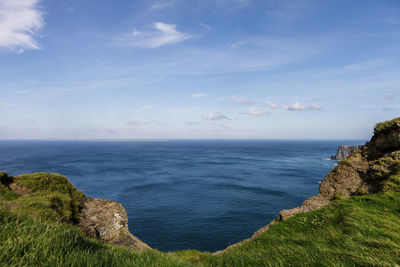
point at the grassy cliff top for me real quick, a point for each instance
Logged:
(46, 195)
(387, 125)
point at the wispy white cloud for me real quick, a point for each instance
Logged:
(257, 112)
(258, 53)
(161, 34)
(4, 104)
(195, 95)
(216, 116)
(242, 100)
(314, 106)
(20, 21)
(271, 105)
(297, 106)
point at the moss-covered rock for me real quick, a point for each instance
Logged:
(386, 126)
(386, 139)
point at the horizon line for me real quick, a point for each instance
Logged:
(182, 139)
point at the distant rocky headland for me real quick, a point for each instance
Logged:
(345, 151)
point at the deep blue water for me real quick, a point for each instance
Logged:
(201, 195)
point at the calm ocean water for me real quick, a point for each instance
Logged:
(201, 195)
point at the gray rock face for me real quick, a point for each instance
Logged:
(108, 221)
(345, 151)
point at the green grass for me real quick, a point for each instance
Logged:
(358, 231)
(6, 194)
(355, 231)
(387, 125)
(390, 179)
(36, 230)
(25, 241)
(51, 196)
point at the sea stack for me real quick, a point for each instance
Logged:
(345, 151)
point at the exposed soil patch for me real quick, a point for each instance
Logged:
(20, 190)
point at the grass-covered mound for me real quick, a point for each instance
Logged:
(44, 195)
(386, 126)
(361, 230)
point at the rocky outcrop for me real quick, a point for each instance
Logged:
(345, 151)
(108, 221)
(386, 136)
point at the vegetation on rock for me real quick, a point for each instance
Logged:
(385, 126)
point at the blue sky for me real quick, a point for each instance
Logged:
(273, 69)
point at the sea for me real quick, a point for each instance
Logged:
(186, 194)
